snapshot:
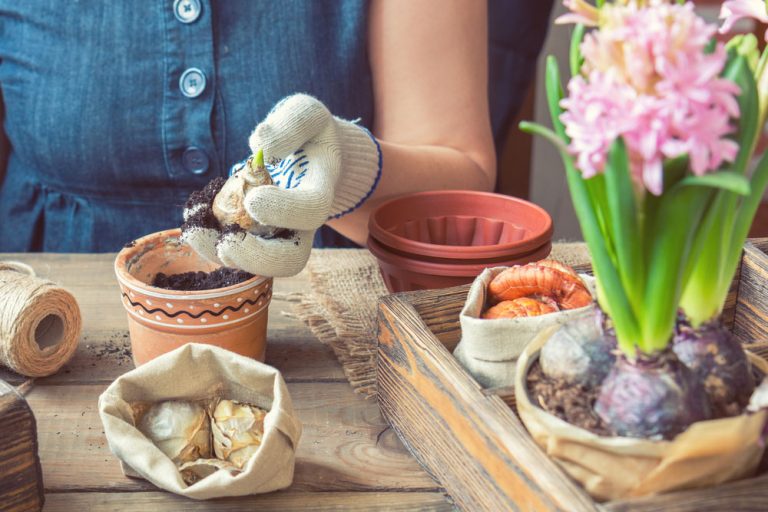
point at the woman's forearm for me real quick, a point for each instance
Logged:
(429, 60)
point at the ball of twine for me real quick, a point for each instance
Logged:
(39, 322)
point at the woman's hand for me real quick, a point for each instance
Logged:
(326, 167)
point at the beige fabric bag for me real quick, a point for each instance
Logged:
(194, 372)
(707, 453)
(489, 349)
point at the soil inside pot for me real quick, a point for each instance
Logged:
(196, 281)
(571, 403)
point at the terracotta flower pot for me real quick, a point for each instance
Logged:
(402, 273)
(446, 238)
(461, 224)
(707, 453)
(159, 320)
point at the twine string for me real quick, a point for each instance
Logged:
(40, 322)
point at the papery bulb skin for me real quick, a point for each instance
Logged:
(581, 352)
(653, 397)
(180, 429)
(228, 205)
(718, 360)
(238, 431)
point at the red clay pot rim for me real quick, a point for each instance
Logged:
(403, 244)
(440, 269)
(488, 262)
(128, 280)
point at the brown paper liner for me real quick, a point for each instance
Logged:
(707, 453)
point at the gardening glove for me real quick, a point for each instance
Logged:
(325, 167)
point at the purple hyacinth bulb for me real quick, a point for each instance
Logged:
(718, 360)
(654, 397)
(580, 352)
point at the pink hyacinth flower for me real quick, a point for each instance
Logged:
(648, 79)
(735, 10)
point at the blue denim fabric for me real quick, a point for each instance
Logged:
(102, 140)
(98, 124)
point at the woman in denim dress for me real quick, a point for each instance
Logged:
(113, 112)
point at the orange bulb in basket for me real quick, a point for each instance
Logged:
(544, 279)
(521, 307)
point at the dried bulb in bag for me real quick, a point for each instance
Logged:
(238, 429)
(180, 429)
(228, 205)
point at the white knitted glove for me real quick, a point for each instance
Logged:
(327, 167)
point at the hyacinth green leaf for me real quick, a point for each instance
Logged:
(616, 302)
(747, 46)
(742, 222)
(725, 180)
(680, 213)
(702, 272)
(625, 232)
(543, 131)
(738, 71)
(707, 276)
(554, 90)
(575, 57)
(674, 171)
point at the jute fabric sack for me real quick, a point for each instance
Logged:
(197, 372)
(489, 349)
(609, 468)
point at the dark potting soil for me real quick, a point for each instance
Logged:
(195, 281)
(279, 233)
(282, 234)
(574, 404)
(203, 217)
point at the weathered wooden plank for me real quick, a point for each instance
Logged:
(346, 444)
(21, 479)
(751, 315)
(471, 442)
(439, 310)
(285, 501)
(745, 495)
(102, 356)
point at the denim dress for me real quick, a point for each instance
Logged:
(114, 111)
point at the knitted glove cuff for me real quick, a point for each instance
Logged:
(361, 165)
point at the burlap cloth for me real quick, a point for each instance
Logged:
(341, 305)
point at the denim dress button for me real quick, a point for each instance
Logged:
(192, 83)
(195, 160)
(186, 11)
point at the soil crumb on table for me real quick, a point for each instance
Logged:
(574, 404)
(195, 281)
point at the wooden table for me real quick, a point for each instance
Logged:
(348, 457)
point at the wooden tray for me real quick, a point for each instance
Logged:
(471, 440)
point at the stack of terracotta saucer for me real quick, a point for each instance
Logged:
(446, 238)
